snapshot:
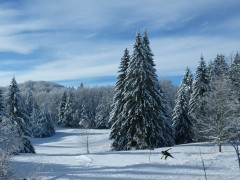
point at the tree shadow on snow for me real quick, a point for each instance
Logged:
(131, 172)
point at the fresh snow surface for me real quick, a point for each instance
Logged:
(63, 156)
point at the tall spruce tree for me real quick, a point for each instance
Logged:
(13, 101)
(44, 126)
(15, 108)
(182, 120)
(187, 82)
(142, 121)
(119, 89)
(69, 111)
(29, 102)
(200, 88)
(102, 114)
(235, 74)
(16, 117)
(2, 105)
(164, 108)
(167, 112)
(61, 110)
(220, 68)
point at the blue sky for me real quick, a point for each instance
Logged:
(74, 41)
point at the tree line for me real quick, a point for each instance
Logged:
(206, 106)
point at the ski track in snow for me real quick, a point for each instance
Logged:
(63, 156)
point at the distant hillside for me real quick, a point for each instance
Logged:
(40, 86)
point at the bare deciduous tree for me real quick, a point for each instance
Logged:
(221, 105)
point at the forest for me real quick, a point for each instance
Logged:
(141, 111)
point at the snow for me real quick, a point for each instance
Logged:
(63, 156)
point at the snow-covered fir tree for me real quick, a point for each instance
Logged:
(188, 83)
(34, 118)
(167, 111)
(61, 110)
(119, 88)
(210, 70)
(102, 114)
(14, 101)
(201, 86)
(29, 102)
(2, 105)
(86, 117)
(170, 92)
(69, 111)
(142, 122)
(235, 73)
(220, 67)
(9, 144)
(16, 118)
(29, 105)
(44, 126)
(182, 120)
(199, 89)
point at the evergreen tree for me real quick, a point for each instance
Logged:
(187, 82)
(169, 91)
(69, 111)
(167, 111)
(86, 117)
(44, 126)
(17, 119)
(2, 106)
(61, 109)
(119, 88)
(219, 67)
(15, 108)
(182, 121)
(102, 114)
(210, 70)
(200, 88)
(29, 102)
(13, 101)
(34, 118)
(29, 105)
(142, 122)
(235, 73)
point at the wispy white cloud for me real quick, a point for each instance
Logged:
(82, 38)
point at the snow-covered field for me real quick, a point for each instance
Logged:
(63, 156)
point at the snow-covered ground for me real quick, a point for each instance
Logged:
(63, 156)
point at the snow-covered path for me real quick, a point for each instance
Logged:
(63, 156)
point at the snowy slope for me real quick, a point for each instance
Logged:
(63, 156)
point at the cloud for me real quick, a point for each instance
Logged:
(172, 56)
(83, 39)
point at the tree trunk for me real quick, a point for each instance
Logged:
(219, 145)
(150, 155)
(238, 155)
(87, 146)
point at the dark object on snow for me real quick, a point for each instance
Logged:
(166, 154)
